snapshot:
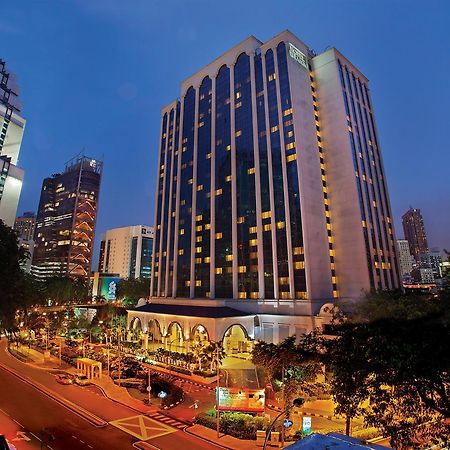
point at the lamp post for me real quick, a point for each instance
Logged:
(217, 394)
(297, 403)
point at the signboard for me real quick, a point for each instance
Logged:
(287, 423)
(109, 287)
(306, 425)
(299, 56)
(235, 399)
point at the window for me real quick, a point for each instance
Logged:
(290, 146)
(198, 260)
(242, 294)
(253, 242)
(274, 129)
(288, 111)
(298, 250)
(272, 77)
(207, 260)
(198, 228)
(218, 235)
(229, 258)
(299, 265)
(240, 219)
(280, 225)
(219, 191)
(228, 178)
(267, 227)
(238, 133)
(198, 239)
(252, 230)
(219, 270)
(198, 249)
(291, 158)
(228, 148)
(198, 218)
(207, 226)
(266, 214)
(198, 283)
(200, 187)
(181, 231)
(251, 171)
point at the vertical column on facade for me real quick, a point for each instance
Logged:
(233, 187)
(169, 212)
(177, 202)
(194, 193)
(212, 234)
(163, 205)
(155, 220)
(285, 182)
(276, 290)
(259, 226)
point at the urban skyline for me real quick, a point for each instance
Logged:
(41, 136)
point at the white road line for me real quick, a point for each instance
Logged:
(32, 434)
(81, 441)
(18, 423)
(74, 437)
(4, 412)
(90, 446)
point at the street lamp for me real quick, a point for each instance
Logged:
(296, 403)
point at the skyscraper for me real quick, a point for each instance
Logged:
(65, 224)
(406, 260)
(127, 251)
(414, 230)
(12, 126)
(24, 225)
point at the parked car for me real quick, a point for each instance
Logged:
(64, 378)
(82, 380)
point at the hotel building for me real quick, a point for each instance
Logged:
(66, 218)
(271, 196)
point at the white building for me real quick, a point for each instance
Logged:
(127, 251)
(405, 259)
(12, 126)
(271, 195)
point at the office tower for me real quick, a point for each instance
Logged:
(415, 234)
(24, 225)
(65, 223)
(432, 259)
(127, 251)
(12, 126)
(405, 259)
(270, 181)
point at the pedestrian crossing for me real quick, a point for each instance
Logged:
(168, 420)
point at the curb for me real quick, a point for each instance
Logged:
(208, 440)
(302, 413)
(92, 418)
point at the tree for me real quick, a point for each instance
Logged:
(130, 291)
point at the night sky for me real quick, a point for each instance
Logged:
(94, 75)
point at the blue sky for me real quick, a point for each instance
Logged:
(94, 75)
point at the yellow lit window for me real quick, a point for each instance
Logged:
(374, 203)
(238, 94)
(207, 226)
(182, 202)
(266, 214)
(280, 225)
(328, 226)
(173, 214)
(253, 230)
(272, 76)
(218, 235)
(198, 239)
(273, 129)
(290, 146)
(241, 219)
(198, 228)
(180, 251)
(302, 295)
(331, 252)
(253, 255)
(228, 148)
(334, 280)
(238, 105)
(327, 213)
(298, 250)
(254, 295)
(219, 191)
(229, 258)
(330, 239)
(190, 181)
(198, 283)
(228, 178)
(242, 294)
(208, 156)
(283, 280)
(284, 295)
(363, 222)
(251, 171)
(200, 124)
(290, 133)
(200, 187)
(335, 294)
(207, 260)
(181, 231)
(198, 260)
(253, 242)
(288, 111)
(198, 249)
(238, 133)
(198, 218)
(299, 265)
(267, 227)
(289, 122)
(291, 158)
(187, 283)
(219, 270)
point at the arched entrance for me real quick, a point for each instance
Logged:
(200, 335)
(154, 335)
(236, 342)
(174, 338)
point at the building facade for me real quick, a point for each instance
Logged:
(127, 251)
(24, 225)
(12, 127)
(66, 218)
(405, 259)
(414, 229)
(271, 194)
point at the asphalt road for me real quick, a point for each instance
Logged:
(28, 416)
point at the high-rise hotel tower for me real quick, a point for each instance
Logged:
(271, 191)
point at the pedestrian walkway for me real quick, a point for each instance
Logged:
(168, 420)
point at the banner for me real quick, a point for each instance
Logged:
(235, 399)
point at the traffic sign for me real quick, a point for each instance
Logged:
(162, 394)
(288, 423)
(306, 425)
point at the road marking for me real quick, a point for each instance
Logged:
(18, 423)
(142, 427)
(81, 441)
(32, 434)
(74, 437)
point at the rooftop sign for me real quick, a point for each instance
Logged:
(299, 56)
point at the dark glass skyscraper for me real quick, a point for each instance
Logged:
(415, 234)
(270, 182)
(66, 218)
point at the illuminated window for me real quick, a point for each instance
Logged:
(238, 105)
(280, 225)
(284, 281)
(290, 133)
(253, 230)
(240, 219)
(289, 122)
(301, 295)
(201, 124)
(253, 242)
(251, 171)
(207, 260)
(288, 111)
(228, 148)
(218, 235)
(208, 156)
(198, 249)
(200, 187)
(238, 133)
(198, 283)
(290, 146)
(228, 178)
(181, 231)
(274, 129)
(299, 265)
(284, 295)
(229, 258)
(267, 227)
(335, 294)
(266, 214)
(207, 226)
(219, 191)
(187, 283)
(298, 250)
(238, 94)
(272, 76)
(198, 218)
(182, 202)
(242, 294)
(291, 158)
(218, 270)
(242, 269)
(190, 181)
(254, 295)
(198, 239)
(198, 260)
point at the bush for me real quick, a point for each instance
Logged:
(204, 373)
(130, 383)
(180, 370)
(239, 425)
(175, 395)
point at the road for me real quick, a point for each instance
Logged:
(35, 416)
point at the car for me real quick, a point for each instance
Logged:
(82, 380)
(64, 378)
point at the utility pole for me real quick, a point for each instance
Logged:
(217, 393)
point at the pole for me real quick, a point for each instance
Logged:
(118, 351)
(108, 360)
(149, 386)
(217, 395)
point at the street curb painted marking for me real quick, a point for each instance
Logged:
(139, 427)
